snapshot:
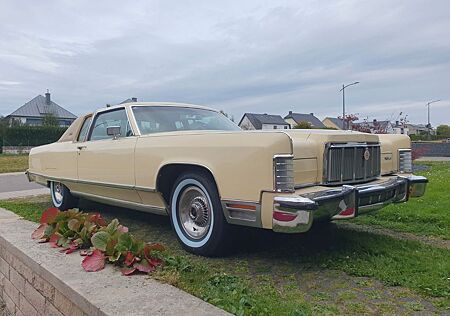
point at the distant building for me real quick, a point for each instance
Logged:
(333, 122)
(250, 121)
(129, 100)
(400, 128)
(419, 129)
(295, 118)
(34, 111)
(374, 127)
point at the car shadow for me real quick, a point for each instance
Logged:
(246, 241)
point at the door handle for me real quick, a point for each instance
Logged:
(81, 147)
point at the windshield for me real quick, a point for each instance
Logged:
(155, 119)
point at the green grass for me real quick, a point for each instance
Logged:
(280, 274)
(428, 215)
(13, 163)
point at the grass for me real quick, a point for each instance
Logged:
(428, 215)
(13, 163)
(304, 274)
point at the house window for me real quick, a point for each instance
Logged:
(275, 127)
(285, 127)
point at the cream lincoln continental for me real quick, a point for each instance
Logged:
(193, 164)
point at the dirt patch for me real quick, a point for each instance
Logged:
(429, 240)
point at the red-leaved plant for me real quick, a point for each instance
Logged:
(99, 241)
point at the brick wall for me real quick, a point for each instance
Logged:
(432, 149)
(24, 292)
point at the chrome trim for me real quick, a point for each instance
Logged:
(398, 164)
(275, 189)
(99, 183)
(342, 202)
(325, 168)
(121, 203)
(246, 218)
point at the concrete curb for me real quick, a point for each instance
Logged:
(106, 292)
(12, 174)
(24, 193)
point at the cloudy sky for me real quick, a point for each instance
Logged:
(238, 56)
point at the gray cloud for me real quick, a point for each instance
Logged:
(261, 56)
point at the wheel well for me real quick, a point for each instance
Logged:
(168, 174)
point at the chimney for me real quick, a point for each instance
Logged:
(133, 99)
(312, 114)
(374, 121)
(47, 98)
(397, 123)
(290, 112)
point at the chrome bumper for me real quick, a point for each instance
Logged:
(294, 214)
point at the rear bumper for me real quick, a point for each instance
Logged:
(294, 214)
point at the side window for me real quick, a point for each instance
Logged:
(111, 118)
(84, 129)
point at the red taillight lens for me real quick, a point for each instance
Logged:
(284, 217)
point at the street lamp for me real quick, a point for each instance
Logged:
(428, 105)
(343, 101)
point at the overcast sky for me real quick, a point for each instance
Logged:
(238, 56)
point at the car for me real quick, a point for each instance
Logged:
(196, 166)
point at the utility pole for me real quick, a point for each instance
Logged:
(429, 124)
(343, 102)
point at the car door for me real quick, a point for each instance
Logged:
(106, 163)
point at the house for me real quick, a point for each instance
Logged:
(400, 128)
(374, 127)
(295, 118)
(250, 121)
(34, 111)
(129, 100)
(333, 122)
(419, 129)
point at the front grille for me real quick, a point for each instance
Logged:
(347, 163)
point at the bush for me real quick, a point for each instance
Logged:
(31, 135)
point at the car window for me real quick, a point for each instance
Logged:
(111, 118)
(84, 129)
(154, 119)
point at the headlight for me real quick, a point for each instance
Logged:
(283, 167)
(404, 161)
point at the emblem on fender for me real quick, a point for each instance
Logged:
(366, 154)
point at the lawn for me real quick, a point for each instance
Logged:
(13, 163)
(428, 215)
(329, 270)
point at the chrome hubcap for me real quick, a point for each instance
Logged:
(57, 192)
(194, 212)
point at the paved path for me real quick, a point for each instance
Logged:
(14, 185)
(433, 159)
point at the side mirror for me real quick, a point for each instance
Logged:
(113, 131)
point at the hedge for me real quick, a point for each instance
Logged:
(30, 135)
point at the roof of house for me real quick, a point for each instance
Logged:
(258, 120)
(336, 121)
(37, 107)
(299, 117)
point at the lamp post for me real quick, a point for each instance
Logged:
(428, 105)
(343, 101)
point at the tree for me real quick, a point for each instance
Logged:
(50, 120)
(303, 125)
(443, 131)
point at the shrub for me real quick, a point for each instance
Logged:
(101, 242)
(31, 135)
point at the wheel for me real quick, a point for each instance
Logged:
(197, 217)
(61, 196)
